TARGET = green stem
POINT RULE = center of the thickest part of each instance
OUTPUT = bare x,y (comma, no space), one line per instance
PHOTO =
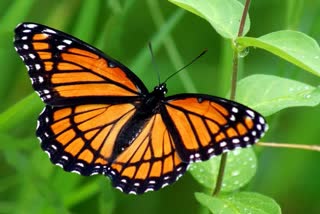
223,163
290,146
235,61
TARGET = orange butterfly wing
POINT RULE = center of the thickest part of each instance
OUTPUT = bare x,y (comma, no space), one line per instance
65,70
206,126
83,139
150,163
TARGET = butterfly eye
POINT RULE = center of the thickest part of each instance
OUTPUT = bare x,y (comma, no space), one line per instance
164,90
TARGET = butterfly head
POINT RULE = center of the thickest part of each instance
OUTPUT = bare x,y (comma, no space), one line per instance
160,90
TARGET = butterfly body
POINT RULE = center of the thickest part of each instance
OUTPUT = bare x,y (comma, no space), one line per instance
100,118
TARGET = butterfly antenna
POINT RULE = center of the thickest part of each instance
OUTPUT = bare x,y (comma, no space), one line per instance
195,59
153,62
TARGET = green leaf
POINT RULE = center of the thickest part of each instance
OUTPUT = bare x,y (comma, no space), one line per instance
242,166
223,15
237,203
268,94
236,175
295,47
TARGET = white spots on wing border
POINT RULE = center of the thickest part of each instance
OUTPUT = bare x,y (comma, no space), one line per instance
67,41
32,56
235,140
259,127
37,66
235,110
223,144
246,139
61,47
261,120
254,133
40,79
30,25
138,186
47,30
48,153
152,182
22,58
250,113
210,151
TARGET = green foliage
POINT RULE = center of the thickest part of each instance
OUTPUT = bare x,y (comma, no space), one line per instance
279,94
224,16
268,84
296,47
236,175
240,202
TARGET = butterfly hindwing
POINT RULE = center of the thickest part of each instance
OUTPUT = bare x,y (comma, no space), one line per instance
150,162
205,126
65,70
82,138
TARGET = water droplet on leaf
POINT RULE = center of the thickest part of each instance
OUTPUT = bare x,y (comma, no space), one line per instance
307,96
235,173
244,53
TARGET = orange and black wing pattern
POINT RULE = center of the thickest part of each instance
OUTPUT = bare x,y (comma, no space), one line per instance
150,162
91,123
86,139
204,126
65,70
81,138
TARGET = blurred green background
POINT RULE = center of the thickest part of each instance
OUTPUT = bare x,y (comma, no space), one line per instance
29,183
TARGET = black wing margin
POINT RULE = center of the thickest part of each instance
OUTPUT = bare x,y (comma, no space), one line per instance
65,70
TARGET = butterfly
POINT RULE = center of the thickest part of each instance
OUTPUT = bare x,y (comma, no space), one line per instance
100,118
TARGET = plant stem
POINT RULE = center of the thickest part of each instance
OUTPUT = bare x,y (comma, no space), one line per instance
243,18
235,60
223,163
290,146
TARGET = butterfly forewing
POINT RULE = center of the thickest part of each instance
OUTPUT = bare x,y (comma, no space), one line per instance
65,70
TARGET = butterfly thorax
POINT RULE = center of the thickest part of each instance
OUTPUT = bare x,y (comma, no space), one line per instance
153,100
149,106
